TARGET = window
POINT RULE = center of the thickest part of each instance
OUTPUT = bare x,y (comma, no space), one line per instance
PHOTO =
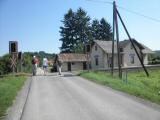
96,48
131,46
132,59
121,49
96,61
87,48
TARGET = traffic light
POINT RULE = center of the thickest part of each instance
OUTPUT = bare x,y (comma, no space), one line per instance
13,46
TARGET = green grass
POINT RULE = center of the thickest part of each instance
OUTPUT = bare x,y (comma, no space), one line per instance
9,86
138,84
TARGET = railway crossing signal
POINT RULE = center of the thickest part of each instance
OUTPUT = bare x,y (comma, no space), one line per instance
13,50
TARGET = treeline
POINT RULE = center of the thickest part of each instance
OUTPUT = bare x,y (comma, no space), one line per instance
78,29
155,58
5,62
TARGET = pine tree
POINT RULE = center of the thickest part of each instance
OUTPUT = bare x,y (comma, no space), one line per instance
95,30
105,30
101,30
75,32
67,32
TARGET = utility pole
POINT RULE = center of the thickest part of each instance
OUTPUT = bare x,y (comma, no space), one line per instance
112,63
117,15
132,42
115,27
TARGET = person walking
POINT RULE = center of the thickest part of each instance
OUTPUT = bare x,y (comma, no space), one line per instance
34,69
45,65
60,67
37,62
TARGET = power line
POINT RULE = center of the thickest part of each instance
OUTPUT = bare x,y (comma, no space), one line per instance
127,10
139,14
100,1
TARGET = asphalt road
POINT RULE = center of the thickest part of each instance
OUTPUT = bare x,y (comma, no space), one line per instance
73,98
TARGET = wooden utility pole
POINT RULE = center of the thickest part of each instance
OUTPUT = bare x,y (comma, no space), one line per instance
132,42
115,27
117,15
112,63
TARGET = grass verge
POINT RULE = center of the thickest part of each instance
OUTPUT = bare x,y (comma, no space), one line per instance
9,86
138,84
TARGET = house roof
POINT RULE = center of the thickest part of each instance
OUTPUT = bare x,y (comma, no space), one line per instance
72,57
125,42
107,45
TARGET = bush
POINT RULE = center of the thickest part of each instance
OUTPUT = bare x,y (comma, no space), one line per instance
5,64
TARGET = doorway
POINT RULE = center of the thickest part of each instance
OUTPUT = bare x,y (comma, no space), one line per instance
84,65
69,66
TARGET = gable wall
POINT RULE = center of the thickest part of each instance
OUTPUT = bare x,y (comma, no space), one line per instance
101,55
127,53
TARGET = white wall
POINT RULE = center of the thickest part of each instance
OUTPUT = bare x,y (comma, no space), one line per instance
74,67
128,51
145,59
104,58
97,53
77,66
64,66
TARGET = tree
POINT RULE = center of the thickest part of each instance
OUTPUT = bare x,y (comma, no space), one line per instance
105,30
75,31
101,30
95,30
67,32
82,29
5,64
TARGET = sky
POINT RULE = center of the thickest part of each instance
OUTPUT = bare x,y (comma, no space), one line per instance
35,24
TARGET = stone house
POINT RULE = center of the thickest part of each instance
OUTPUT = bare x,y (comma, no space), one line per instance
72,61
101,54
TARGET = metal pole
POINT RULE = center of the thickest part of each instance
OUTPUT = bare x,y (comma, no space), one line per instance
141,61
112,69
118,48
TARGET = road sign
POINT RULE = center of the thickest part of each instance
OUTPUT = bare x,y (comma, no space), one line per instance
13,62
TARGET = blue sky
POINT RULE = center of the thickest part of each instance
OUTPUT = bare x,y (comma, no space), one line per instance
35,23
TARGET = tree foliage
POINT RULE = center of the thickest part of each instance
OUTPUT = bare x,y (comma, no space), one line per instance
77,30
5,62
